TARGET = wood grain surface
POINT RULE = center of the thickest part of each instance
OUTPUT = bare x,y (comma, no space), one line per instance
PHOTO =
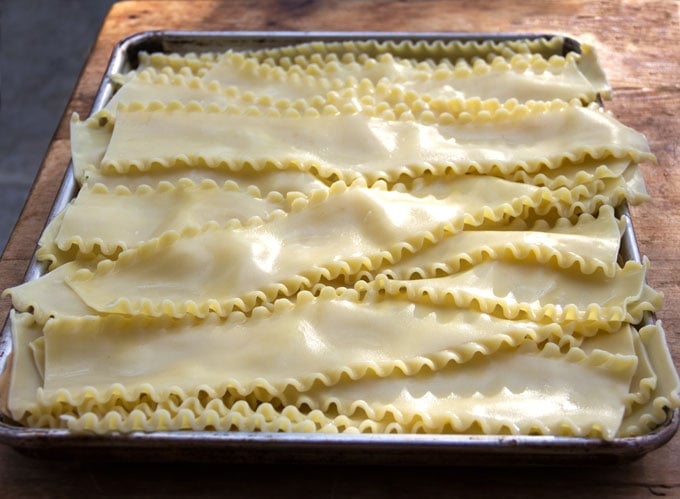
637,42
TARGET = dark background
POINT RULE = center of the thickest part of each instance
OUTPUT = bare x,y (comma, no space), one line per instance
43,46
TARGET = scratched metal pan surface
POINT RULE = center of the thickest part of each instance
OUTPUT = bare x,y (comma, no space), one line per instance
259,447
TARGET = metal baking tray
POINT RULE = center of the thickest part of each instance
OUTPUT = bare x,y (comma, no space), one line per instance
260,447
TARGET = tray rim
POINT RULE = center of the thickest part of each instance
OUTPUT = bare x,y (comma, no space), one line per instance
41,441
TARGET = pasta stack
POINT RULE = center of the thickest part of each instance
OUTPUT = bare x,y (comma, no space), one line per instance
348,237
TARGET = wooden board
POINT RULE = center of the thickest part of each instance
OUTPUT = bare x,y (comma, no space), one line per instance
637,44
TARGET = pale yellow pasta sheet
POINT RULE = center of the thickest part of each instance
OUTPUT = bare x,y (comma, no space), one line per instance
592,243
345,231
331,338
352,145
509,392
135,217
522,78
540,292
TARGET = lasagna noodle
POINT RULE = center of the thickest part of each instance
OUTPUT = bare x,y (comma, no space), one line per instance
437,50
592,243
48,252
25,377
49,296
477,393
420,49
470,394
332,338
570,175
89,141
135,217
665,394
348,230
520,78
352,145
175,207
645,379
539,292
535,75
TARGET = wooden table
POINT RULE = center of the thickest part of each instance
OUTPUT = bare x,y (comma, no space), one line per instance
637,43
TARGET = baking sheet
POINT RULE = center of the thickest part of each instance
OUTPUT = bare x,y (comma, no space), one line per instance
316,448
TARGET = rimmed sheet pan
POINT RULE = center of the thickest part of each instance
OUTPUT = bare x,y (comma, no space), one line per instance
206,446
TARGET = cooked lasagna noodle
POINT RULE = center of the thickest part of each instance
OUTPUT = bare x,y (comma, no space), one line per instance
348,237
